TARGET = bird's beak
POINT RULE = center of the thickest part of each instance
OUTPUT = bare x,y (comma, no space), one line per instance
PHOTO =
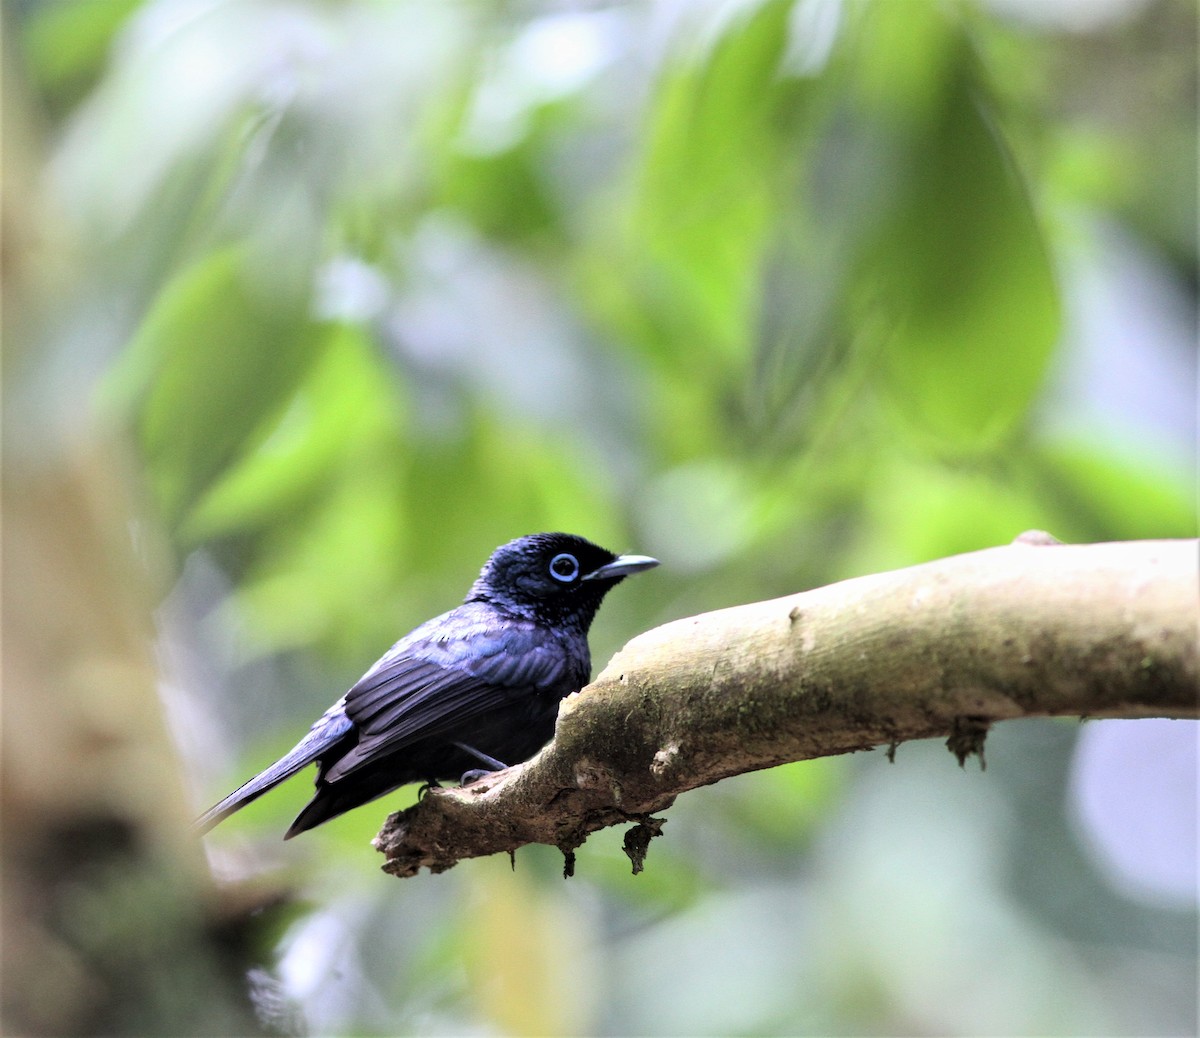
622,566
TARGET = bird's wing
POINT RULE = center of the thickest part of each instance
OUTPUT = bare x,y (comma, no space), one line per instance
440,683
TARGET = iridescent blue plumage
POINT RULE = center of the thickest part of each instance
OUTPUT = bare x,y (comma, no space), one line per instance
479,685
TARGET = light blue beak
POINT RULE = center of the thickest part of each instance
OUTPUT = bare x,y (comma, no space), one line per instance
622,566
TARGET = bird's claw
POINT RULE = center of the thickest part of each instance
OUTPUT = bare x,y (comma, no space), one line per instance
474,776
425,787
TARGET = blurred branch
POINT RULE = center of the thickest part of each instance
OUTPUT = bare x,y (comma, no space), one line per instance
941,649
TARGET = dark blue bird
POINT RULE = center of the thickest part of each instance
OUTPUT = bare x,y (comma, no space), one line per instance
473,690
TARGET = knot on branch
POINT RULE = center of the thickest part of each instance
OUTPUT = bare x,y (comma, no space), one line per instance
967,739
637,840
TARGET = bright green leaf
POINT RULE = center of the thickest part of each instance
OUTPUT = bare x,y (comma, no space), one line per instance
216,357
963,276
347,405
705,192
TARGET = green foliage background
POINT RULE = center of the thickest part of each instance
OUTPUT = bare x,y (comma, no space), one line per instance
779,292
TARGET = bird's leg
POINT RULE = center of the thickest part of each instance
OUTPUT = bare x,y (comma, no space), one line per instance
491,762
478,773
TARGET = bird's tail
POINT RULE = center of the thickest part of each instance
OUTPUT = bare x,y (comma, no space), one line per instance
336,798
333,726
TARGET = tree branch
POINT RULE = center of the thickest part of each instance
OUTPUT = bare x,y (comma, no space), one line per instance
941,649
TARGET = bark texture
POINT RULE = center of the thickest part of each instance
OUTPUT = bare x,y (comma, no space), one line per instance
941,649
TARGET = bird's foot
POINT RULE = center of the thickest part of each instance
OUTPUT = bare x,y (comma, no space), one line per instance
425,787
474,776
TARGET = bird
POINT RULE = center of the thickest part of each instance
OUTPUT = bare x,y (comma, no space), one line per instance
470,692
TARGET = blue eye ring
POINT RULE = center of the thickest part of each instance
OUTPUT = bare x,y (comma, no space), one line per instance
564,567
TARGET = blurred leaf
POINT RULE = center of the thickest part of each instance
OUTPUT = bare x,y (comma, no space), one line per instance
347,403
328,574
901,54
503,193
918,510
527,954
67,43
216,356
963,274
672,881
395,532
704,194
1107,494
781,807
528,480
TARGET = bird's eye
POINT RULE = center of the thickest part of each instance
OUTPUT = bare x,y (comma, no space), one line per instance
564,567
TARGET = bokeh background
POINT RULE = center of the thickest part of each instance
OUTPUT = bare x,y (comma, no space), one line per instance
309,305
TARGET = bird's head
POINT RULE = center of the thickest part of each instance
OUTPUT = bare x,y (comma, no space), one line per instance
557,577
